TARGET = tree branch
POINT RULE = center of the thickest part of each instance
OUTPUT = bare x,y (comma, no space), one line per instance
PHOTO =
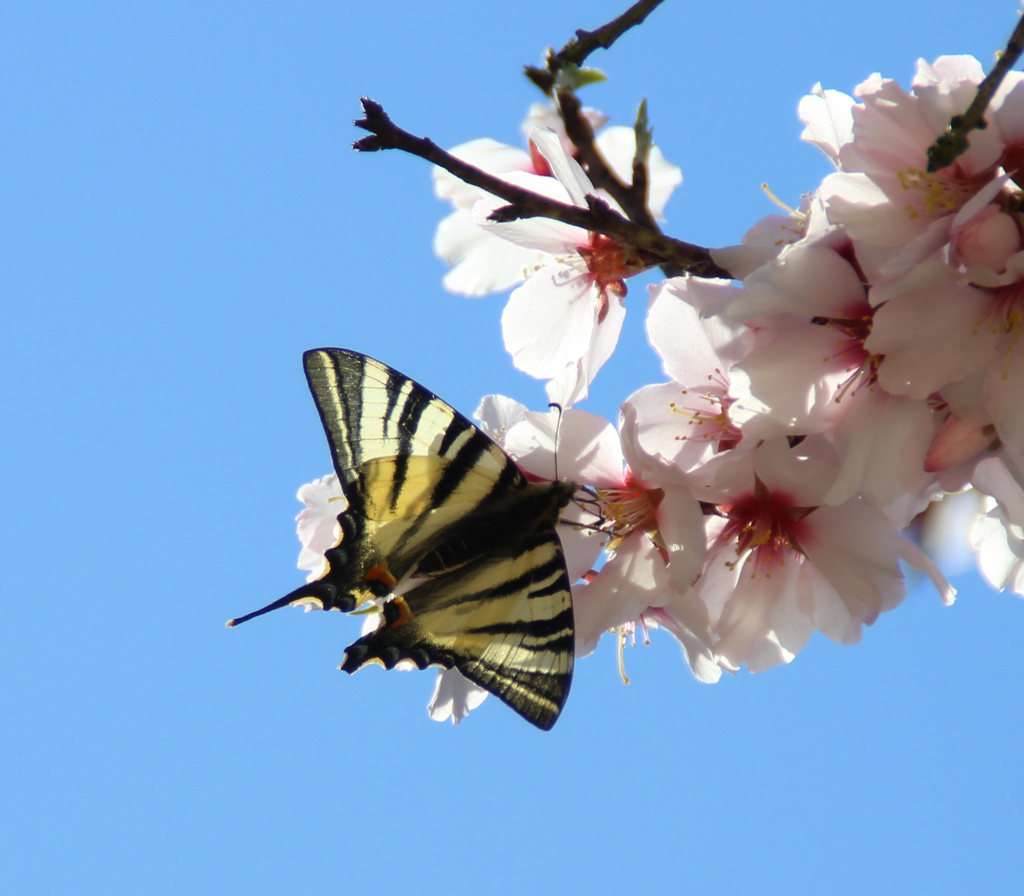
953,143
579,131
598,217
584,43
632,198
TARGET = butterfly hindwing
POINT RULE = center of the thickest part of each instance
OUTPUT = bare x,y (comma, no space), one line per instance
504,620
437,511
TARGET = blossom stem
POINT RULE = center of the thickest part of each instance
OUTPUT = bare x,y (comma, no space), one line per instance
944,151
597,217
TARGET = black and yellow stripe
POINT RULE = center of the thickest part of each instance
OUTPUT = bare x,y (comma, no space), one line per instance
440,513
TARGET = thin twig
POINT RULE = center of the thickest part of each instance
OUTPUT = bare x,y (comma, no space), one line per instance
598,217
953,143
643,135
632,198
585,42
579,131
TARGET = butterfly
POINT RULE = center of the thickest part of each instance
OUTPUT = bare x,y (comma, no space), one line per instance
443,532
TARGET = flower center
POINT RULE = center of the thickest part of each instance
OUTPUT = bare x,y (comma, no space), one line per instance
628,508
610,263
766,523
853,333
708,413
941,193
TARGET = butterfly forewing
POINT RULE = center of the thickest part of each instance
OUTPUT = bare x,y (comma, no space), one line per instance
440,514
370,411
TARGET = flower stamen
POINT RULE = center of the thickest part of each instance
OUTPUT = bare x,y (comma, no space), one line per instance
944,192
623,632
712,419
628,508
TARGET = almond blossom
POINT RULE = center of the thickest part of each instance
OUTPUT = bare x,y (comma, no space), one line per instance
655,527
564,322
884,194
689,419
811,369
481,261
782,563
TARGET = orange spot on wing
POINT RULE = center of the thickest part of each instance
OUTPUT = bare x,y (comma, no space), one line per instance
380,573
397,612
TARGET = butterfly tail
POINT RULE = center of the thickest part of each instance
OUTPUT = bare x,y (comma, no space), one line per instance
320,594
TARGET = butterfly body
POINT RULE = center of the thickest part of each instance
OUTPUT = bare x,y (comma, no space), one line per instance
443,523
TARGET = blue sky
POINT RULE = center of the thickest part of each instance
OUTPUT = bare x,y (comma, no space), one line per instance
180,217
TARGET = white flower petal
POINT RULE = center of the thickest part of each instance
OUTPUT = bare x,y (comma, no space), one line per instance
882,442
481,261
675,424
484,153
1003,391
618,146
634,578
764,622
994,478
924,350
829,120
681,524
550,320
999,550
588,447
565,168
498,414
691,345
543,234
856,549
813,280
318,528
686,617
454,697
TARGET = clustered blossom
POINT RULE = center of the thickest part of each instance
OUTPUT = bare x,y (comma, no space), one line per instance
870,363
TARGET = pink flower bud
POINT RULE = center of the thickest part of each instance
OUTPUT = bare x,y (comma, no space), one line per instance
989,238
956,442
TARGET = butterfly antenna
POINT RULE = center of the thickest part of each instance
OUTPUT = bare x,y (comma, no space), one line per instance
558,429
